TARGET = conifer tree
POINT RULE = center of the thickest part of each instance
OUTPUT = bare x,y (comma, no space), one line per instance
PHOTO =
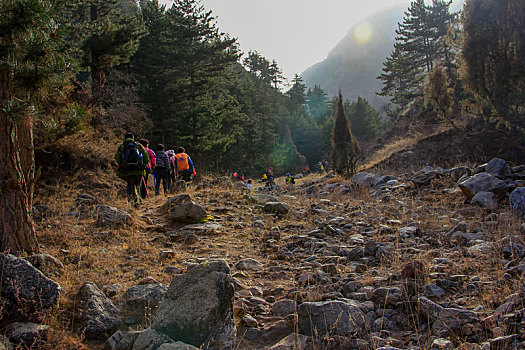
29,41
493,54
346,151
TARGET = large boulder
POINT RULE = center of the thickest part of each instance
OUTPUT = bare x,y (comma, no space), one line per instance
483,182
456,322
99,316
486,200
517,200
259,198
27,291
150,339
108,216
198,307
27,335
498,167
329,317
145,295
364,179
277,208
183,208
48,264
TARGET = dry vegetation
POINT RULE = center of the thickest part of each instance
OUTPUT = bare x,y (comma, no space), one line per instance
114,255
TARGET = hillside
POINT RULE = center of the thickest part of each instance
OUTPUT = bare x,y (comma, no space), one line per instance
353,65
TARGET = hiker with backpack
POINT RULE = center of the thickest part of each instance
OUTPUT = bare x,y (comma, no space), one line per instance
149,168
162,170
185,167
173,171
132,158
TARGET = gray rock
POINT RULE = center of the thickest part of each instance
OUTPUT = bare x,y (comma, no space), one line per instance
486,200
27,291
482,182
259,198
100,317
276,208
517,200
187,211
442,344
283,307
428,308
434,291
458,172
27,335
423,179
143,295
364,179
248,264
480,249
383,180
150,339
450,322
177,346
84,201
387,296
182,208
498,167
121,341
108,216
204,228
293,341
198,306
329,317
48,264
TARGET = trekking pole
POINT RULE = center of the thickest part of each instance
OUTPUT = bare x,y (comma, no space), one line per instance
146,188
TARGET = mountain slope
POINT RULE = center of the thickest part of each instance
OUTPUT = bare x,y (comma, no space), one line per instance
354,63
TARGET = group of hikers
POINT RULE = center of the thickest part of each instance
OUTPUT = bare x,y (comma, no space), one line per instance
136,161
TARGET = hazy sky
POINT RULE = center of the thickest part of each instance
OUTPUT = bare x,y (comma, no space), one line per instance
296,33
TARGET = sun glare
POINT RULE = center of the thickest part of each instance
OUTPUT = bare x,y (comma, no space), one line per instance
363,32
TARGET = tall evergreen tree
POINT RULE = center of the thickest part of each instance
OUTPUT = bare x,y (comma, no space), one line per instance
110,33
365,121
30,33
493,57
420,42
317,103
346,151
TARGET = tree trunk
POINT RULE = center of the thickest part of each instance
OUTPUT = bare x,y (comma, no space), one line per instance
17,233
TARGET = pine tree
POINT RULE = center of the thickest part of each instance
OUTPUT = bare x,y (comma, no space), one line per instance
364,119
346,151
30,36
317,103
493,54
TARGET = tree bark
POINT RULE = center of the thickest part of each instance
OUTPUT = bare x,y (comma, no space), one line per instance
17,233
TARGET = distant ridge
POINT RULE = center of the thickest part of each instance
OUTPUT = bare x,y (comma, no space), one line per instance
353,67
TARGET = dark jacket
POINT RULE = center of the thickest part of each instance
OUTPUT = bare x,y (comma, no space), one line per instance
118,158
162,160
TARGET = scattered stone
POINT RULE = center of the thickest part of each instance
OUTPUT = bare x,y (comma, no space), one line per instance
121,341
452,322
442,344
414,269
150,339
26,290
498,167
283,307
385,296
423,179
177,346
207,319
364,179
482,182
293,341
112,289
27,335
517,200
486,200
182,208
249,321
145,295
99,316
109,216
248,265
329,317
259,198
48,264
277,208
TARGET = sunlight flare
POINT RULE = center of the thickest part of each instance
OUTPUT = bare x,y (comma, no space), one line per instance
363,32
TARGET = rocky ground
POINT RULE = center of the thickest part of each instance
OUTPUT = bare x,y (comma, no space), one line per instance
427,260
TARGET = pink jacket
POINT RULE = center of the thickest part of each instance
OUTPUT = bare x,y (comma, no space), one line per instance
152,159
